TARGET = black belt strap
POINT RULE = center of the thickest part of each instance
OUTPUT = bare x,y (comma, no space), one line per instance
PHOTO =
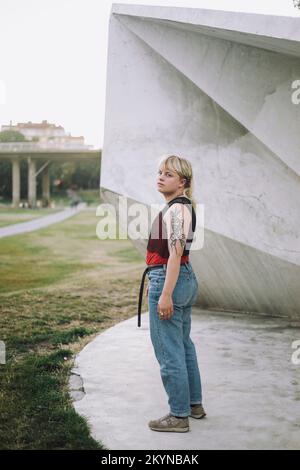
149,267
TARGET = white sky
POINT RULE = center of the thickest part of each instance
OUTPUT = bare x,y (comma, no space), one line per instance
53,58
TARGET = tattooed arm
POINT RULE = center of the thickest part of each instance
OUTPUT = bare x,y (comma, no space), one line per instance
177,219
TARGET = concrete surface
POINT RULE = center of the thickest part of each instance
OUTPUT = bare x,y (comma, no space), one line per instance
251,387
216,88
40,222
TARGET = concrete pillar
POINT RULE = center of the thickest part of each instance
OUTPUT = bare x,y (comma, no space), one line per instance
16,190
46,186
31,182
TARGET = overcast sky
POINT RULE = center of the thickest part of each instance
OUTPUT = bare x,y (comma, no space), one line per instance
53,58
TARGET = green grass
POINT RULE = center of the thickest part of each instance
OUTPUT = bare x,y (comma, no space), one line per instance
126,255
40,414
39,266
60,287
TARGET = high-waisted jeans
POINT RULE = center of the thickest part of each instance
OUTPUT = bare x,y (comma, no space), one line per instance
173,347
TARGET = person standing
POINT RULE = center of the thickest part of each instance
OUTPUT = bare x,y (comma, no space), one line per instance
173,289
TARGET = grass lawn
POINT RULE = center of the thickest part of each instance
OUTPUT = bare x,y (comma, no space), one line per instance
60,286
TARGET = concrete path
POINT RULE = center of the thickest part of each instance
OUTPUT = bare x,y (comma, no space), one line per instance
251,388
40,222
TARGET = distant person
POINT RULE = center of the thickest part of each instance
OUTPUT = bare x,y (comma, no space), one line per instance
72,194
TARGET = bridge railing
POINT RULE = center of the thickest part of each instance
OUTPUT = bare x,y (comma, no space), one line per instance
35,146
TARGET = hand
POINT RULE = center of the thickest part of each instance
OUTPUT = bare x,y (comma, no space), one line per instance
165,306
147,290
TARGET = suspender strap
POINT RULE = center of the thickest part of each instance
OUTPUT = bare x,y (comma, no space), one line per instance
142,289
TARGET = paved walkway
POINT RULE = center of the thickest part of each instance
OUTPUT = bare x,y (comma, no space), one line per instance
40,222
251,388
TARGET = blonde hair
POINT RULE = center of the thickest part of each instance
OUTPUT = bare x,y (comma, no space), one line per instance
184,169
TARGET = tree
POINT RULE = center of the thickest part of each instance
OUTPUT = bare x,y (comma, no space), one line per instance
11,136
297,3
84,175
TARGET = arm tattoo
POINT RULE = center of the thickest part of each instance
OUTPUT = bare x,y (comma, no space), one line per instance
177,232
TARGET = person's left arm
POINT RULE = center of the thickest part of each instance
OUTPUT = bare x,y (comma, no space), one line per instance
177,219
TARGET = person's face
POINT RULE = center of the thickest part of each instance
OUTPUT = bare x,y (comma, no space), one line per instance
168,181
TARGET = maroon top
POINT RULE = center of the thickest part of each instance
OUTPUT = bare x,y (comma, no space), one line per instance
157,247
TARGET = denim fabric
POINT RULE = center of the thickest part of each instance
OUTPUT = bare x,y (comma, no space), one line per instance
173,347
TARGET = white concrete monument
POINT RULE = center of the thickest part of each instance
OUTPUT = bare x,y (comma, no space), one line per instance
223,90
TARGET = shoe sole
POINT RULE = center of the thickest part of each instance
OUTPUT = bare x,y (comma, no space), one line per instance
198,416
170,429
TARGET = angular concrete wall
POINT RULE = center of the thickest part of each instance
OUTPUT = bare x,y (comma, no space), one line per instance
215,87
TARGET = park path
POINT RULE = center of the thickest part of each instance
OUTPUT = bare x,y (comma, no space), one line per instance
40,222
250,385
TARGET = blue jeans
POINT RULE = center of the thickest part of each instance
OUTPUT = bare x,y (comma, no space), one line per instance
173,347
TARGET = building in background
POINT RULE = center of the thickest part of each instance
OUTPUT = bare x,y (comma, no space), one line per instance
46,134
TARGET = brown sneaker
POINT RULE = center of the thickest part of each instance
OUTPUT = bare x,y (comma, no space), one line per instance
170,423
197,412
